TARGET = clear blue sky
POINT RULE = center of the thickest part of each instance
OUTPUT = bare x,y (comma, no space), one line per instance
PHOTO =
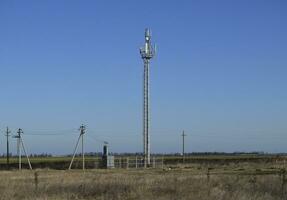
220,74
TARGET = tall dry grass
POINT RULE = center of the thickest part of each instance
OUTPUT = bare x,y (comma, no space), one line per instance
139,184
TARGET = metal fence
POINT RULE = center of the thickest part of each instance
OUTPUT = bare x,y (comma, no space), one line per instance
137,162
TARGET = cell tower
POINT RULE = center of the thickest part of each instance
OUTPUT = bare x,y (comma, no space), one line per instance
147,52
183,145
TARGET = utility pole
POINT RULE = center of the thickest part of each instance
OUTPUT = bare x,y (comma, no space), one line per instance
82,132
147,52
82,129
19,144
19,147
183,143
8,153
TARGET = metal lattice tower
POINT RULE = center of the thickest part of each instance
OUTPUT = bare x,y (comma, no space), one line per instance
147,52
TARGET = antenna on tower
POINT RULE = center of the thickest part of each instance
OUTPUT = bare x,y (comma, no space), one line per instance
147,52
82,130
19,144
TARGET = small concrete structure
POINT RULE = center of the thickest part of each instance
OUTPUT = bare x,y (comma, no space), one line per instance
108,161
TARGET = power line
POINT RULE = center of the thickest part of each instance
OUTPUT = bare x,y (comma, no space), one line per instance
45,134
96,139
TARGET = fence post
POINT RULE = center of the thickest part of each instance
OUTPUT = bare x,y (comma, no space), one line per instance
136,162
162,162
153,163
127,162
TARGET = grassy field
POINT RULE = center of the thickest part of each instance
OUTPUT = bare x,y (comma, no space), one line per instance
208,161
199,178
175,184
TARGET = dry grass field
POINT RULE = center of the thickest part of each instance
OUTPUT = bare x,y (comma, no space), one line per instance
159,184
